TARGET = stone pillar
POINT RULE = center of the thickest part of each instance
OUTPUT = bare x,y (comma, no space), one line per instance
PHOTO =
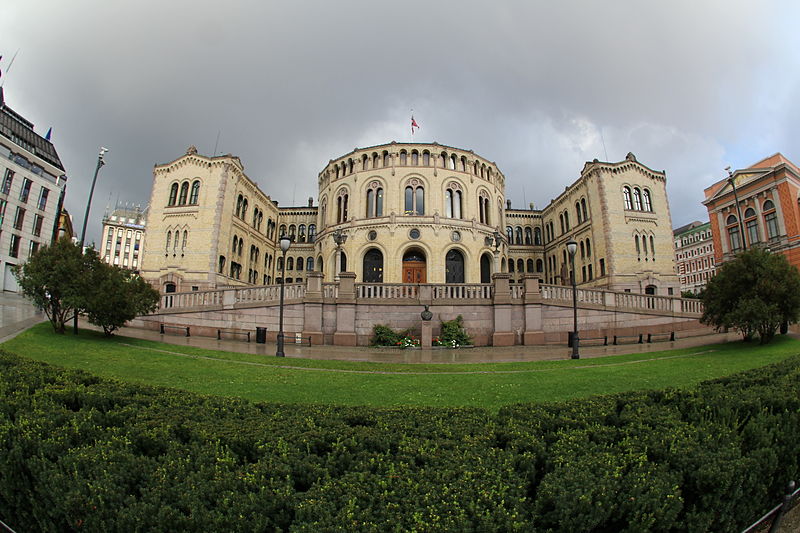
228,298
312,309
534,332
345,334
426,338
503,334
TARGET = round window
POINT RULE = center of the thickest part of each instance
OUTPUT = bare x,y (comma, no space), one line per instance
414,233
456,236
372,235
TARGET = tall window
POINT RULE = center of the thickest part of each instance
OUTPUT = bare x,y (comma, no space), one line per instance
341,206
528,235
7,180
37,224
403,158
193,197
751,225
375,200
373,266
771,220
239,202
301,233
452,201
646,200
414,198
19,217
626,195
510,234
578,212
733,233
26,190
312,232
43,194
537,236
518,235
184,193
483,205
637,199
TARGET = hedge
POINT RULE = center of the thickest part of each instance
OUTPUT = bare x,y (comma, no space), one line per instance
80,453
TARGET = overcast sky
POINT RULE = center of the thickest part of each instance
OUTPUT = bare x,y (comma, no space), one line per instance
538,87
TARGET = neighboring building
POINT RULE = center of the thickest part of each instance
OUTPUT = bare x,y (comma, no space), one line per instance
65,227
31,192
412,213
768,194
694,255
123,236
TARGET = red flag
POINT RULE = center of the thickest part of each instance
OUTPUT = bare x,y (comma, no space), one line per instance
413,124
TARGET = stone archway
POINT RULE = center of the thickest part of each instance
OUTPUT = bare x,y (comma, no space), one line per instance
415,268
454,266
373,266
486,268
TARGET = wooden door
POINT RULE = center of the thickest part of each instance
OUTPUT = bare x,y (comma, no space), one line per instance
414,272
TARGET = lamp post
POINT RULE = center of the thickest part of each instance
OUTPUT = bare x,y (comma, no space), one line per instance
572,247
738,209
495,239
339,237
285,242
100,163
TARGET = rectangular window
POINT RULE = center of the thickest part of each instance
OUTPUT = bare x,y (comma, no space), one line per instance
771,220
26,190
19,217
752,231
37,224
735,238
602,267
3,204
13,249
7,180
32,248
43,194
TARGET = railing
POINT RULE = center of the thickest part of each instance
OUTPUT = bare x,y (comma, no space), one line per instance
330,290
642,301
691,305
192,299
622,300
462,291
517,291
775,515
387,291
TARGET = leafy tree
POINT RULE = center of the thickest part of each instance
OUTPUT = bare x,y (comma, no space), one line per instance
55,279
118,296
754,293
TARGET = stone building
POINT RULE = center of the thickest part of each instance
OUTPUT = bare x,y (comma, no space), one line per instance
694,255
32,185
767,212
123,236
407,213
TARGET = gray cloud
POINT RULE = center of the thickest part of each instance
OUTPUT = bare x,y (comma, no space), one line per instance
538,87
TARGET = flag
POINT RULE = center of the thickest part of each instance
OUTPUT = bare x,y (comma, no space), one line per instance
49,132
413,124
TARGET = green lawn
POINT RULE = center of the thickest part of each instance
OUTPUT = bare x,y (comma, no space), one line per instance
260,378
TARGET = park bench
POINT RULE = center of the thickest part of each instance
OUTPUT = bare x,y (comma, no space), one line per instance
229,331
164,327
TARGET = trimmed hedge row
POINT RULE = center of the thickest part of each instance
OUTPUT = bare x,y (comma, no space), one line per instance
80,453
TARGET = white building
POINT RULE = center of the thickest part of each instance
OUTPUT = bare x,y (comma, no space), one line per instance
123,236
32,185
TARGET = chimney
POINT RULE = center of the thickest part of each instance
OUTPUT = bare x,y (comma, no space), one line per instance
508,204
310,201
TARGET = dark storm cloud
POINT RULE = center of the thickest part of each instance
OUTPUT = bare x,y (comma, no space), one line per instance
539,88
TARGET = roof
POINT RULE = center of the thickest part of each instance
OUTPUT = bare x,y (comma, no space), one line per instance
751,173
689,226
19,130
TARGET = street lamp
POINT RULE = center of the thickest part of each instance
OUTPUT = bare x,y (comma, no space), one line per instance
738,209
339,237
572,247
100,163
495,239
285,242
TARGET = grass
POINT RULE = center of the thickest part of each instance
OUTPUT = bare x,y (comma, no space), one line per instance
260,378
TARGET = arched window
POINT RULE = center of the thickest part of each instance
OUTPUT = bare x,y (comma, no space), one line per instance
233,248
452,201
426,158
173,194
290,263
292,231
588,248
751,225
373,266
195,195
454,267
301,233
637,199
539,265
300,263
282,230
511,266
770,219
403,158
626,195
169,238
510,234
638,249
520,266
241,245
463,164
486,268
414,158
518,235
561,221
221,264
279,264
349,166
443,160
583,250
310,264
375,159
319,264
184,193
414,198
528,236
529,264
537,236
385,158
734,234
652,248
244,209
239,201
341,206
185,242
583,209
364,162
646,200
566,219
312,232
375,200
578,212
483,205
255,216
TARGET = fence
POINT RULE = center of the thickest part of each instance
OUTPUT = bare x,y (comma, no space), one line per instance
775,515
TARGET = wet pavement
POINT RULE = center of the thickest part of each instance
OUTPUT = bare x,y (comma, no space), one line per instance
17,315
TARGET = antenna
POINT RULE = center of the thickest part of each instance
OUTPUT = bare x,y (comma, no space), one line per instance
604,143
10,63
216,144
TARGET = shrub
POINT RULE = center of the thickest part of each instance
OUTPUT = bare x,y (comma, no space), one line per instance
453,334
383,335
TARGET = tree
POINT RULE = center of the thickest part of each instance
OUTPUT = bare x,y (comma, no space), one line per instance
754,293
55,279
118,296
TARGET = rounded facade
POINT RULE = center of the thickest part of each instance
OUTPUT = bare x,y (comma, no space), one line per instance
411,213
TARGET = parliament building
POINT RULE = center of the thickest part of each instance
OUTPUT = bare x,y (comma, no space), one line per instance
407,213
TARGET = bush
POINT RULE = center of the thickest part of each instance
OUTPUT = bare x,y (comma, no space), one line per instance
453,334
383,335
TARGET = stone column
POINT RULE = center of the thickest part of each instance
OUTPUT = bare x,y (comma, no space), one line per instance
503,334
426,339
312,309
345,334
534,333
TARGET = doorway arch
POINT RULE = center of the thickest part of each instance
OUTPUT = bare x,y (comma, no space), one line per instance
373,266
454,266
486,268
414,266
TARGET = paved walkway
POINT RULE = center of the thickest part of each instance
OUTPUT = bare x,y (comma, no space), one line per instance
17,315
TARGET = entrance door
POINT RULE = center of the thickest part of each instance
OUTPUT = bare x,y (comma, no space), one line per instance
414,272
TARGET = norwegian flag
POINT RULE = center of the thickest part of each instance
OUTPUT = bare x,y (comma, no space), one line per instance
413,124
